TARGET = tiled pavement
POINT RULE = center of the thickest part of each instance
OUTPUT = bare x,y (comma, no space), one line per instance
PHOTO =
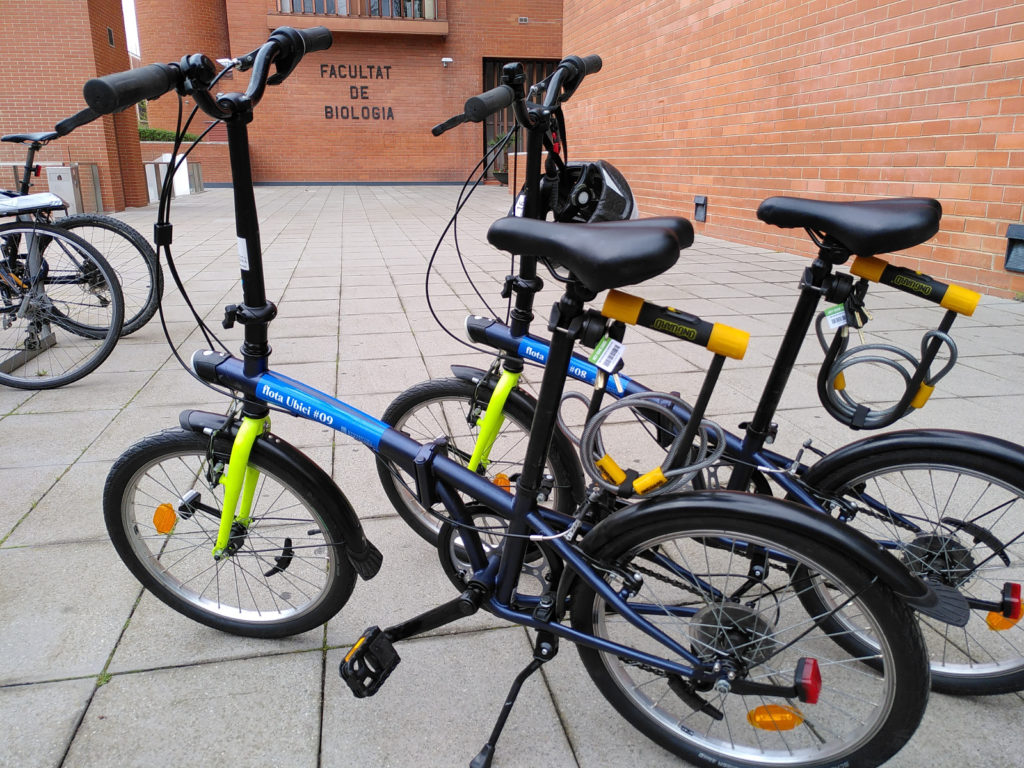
94,672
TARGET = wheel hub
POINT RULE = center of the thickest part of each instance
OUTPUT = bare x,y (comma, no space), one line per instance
943,557
732,630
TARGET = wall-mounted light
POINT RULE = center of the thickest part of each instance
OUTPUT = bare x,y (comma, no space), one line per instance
700,208
446,61
1015,248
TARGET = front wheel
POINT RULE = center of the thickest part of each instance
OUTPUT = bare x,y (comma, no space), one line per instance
730,593
450,408
287,572
61,306
952,516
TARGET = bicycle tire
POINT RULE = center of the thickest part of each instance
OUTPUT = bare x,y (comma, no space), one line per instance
440,407
62,333
293,580
862,717
131,256
926,486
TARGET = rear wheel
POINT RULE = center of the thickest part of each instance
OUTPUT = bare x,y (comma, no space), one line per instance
730,593
132,258
953,517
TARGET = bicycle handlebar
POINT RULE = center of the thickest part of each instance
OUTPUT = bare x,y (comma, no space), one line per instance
479,107
285,48
570,73
121,90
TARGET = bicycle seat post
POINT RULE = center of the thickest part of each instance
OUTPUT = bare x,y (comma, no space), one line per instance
26,178
813,286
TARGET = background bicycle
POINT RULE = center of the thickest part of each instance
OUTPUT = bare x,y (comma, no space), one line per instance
951,503
61,308
124,248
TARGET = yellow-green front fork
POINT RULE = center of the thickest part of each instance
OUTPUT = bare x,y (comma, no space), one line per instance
239,482
493,418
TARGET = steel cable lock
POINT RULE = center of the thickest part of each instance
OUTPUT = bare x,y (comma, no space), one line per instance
919,379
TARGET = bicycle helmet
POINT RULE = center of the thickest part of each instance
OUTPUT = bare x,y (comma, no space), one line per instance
588,192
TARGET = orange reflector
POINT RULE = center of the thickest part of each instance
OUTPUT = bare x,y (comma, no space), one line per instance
355,647
774,717
164,518
502,481
999,623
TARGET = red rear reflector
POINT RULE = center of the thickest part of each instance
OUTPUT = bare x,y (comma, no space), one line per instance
807,680
1012,611
1011,601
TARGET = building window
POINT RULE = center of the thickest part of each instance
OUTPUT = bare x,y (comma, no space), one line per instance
380,9
498,124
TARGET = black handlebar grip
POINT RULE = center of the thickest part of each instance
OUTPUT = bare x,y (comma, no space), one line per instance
591,64
111,93
479,107
316,38
68,124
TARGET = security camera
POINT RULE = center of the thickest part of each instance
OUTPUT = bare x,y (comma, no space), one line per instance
446,61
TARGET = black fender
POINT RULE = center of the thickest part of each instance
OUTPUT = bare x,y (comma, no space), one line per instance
364,556
991,448
777,514
560,442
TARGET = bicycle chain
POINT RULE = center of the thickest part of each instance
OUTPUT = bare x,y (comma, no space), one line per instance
680,584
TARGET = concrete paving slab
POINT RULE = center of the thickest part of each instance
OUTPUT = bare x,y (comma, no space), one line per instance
41,439
40,721
204,715
62,608
22,490
67,511
439,706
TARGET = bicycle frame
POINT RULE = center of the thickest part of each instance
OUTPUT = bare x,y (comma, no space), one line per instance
741,452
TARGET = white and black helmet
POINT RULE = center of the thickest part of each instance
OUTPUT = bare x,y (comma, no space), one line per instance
588,192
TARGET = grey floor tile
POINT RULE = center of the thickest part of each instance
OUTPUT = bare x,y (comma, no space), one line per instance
69,511
439,705
62,608
40,720
192,716
23,488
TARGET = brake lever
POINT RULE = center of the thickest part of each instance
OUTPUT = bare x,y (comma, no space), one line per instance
242,63
448,124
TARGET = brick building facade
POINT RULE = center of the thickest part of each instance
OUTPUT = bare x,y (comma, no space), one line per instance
51,48
734,100
737,100
361,111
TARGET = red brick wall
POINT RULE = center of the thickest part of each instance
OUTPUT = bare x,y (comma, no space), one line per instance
51,48
829,98
291,138
170,29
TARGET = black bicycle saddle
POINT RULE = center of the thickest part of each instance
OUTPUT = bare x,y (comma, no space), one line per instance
864,227
601,256
28,138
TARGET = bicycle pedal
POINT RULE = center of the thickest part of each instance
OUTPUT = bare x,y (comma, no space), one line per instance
367,665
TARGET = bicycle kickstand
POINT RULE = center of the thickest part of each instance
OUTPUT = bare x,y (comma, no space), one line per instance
543,650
